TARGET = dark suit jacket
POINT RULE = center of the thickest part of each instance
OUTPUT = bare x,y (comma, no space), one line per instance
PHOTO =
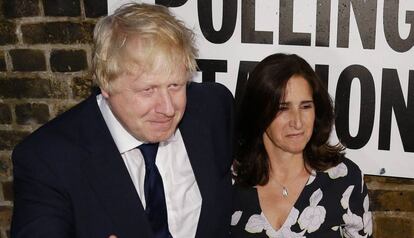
70,180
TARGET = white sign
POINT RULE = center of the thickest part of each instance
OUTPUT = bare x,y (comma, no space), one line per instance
363,50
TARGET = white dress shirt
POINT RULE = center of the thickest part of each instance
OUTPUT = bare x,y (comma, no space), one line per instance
182,195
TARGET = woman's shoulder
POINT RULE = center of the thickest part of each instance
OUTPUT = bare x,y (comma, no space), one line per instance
345,163
246,200
346,170
244,194
351,166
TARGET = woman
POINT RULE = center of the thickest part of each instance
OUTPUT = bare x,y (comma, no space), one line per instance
289,181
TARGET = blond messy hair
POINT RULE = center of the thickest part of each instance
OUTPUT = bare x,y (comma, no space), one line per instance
160,34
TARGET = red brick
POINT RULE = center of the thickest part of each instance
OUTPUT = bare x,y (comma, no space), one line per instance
388,180
5,114
3,66
28,60
390,227
95,8
32,88
7,32
81,87
8,190
32,113
21,8
5,216
5,165
68,60
69,8
390,200
9,139
57,32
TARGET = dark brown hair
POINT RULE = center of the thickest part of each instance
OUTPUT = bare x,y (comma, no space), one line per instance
258,108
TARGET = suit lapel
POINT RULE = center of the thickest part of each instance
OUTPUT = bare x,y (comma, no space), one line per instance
195,135
109,177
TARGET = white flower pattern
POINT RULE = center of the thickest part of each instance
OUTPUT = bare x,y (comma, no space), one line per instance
292,218
285,231
345,196
235,218
367,217
352,221
313,216
256,224
312,177
338,171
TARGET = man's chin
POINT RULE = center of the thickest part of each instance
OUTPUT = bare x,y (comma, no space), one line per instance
160,136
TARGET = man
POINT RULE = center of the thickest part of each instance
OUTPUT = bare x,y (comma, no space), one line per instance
85,173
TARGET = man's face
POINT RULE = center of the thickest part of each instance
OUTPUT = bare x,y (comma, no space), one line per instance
149,104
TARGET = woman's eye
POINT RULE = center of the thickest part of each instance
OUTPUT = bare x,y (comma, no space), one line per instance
307,106
283,108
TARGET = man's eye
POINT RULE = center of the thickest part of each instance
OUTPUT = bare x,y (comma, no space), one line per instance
175,86
147,91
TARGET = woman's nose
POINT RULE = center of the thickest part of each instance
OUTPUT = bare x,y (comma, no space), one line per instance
295,119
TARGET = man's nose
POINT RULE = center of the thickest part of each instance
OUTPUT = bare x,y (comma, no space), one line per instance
165,103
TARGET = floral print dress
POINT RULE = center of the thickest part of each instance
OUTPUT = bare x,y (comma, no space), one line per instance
333,203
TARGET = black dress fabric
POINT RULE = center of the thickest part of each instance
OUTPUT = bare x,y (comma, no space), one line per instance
333,203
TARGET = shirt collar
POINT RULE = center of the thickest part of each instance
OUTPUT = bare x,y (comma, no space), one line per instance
123,139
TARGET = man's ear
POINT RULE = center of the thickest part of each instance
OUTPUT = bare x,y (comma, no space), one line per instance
104,93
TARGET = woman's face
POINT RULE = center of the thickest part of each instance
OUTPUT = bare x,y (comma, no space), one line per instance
292,127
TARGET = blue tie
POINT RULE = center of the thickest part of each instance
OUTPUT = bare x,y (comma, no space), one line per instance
156,208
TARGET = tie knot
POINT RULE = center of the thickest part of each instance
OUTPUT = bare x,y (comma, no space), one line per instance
149,152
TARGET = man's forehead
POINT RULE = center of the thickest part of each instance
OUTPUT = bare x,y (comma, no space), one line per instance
159,75
155,60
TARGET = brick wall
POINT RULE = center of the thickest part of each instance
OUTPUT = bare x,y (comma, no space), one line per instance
45,55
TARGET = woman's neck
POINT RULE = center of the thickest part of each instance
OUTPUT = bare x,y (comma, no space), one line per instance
286,166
